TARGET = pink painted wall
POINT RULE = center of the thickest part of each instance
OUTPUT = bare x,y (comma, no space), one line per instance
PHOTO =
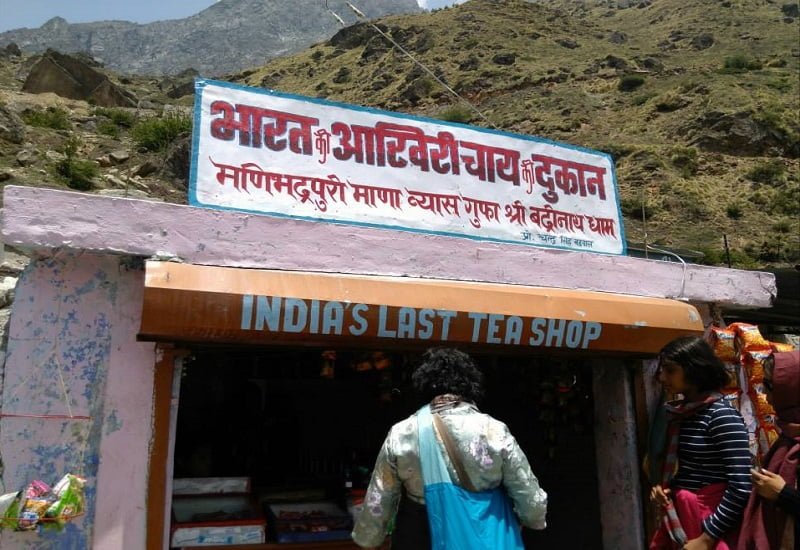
75,318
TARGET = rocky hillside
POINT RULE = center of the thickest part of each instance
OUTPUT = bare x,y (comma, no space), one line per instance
231,34
697,101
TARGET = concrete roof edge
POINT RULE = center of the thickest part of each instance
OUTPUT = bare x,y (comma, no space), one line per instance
38,218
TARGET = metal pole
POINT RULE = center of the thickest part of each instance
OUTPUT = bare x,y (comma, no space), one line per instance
727,251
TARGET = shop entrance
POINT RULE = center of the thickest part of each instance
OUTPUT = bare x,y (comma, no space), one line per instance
305,425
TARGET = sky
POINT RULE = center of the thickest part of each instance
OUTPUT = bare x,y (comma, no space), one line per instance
15,14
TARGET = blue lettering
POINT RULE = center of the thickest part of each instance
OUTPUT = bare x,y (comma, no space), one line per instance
426,322
295,315
574,333
446,316
555,334
269,312
383,332
406,322
538,334
494,328
247,311
592,332
358,309
332,318
313,327
513,330
477,319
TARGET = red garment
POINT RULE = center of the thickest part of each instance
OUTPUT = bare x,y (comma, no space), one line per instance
692,509
764,523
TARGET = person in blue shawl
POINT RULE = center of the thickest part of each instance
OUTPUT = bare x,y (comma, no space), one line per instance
451,476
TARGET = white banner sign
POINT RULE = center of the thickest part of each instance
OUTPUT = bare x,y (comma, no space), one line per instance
261,151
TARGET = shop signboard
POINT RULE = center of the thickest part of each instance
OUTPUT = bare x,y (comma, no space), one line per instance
261,151
206,303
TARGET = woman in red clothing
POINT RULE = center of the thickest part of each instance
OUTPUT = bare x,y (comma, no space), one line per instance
771,518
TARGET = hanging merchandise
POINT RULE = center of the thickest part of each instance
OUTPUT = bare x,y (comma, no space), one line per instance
39,506
744,351
563,401
328,369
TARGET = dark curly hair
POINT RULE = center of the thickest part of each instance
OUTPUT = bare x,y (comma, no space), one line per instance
701,367
448,370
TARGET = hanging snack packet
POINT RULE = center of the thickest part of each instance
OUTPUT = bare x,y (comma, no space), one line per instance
761,406
69,499
722,342
9,510
38,497
754,364
778,347
748,337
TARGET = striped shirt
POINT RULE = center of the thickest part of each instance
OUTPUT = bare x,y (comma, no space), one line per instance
714,448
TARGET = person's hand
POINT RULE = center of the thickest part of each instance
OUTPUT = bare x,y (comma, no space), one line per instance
660,496
703,542
767,484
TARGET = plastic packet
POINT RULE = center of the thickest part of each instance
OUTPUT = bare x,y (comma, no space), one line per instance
37,498
723,343
748,337
9,510
69,499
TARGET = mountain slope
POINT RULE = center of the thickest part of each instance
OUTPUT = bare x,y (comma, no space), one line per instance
231,34
702,150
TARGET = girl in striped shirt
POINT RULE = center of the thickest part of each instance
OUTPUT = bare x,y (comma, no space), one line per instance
706,468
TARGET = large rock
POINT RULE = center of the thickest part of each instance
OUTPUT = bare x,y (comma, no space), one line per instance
70,77
11,126
740,134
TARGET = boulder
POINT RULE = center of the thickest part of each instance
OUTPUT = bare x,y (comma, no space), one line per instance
11,50
739,134
12,128
118,157
505,58
618,37
145,169
568,43
791,10
703,41
70,77
25,157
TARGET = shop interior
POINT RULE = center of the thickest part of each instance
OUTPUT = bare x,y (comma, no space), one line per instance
305,425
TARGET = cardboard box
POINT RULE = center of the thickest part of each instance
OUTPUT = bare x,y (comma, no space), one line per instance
216,520
309,522
210,485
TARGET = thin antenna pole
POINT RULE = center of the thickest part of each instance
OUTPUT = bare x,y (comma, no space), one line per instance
644,220
360,15
727,250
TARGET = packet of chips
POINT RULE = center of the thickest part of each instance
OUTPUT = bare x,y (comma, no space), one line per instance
38,497
723,343
9,510
69,500
777,347
753,362
748,337
766,435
